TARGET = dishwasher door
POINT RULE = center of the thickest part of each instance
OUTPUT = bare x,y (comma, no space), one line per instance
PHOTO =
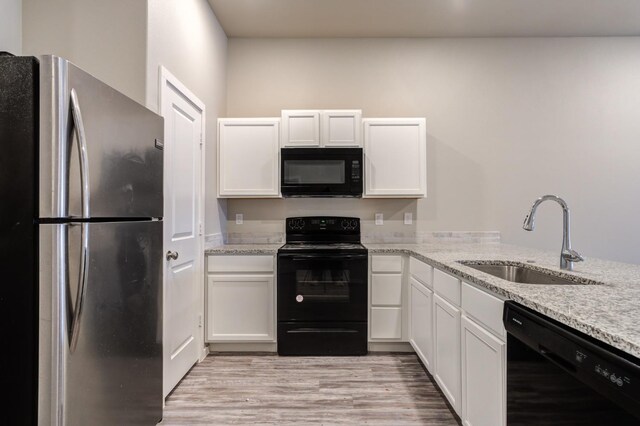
559,376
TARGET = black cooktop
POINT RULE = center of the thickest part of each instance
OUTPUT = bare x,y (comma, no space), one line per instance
345,248
325,234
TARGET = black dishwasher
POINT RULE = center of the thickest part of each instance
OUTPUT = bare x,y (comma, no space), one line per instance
557,375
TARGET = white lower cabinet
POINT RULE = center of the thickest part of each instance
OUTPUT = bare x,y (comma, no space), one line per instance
483,376
421,322
388,320
447,350
240,308
240,298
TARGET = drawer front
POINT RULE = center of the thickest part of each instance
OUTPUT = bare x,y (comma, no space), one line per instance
386,289
484,307
240,263
386,264
386,323
447,286
421,271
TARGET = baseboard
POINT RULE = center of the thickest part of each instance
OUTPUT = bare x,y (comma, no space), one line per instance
243,347
270,347
390,347
204,353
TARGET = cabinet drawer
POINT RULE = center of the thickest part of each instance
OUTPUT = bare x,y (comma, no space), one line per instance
386,323
447,286
421,271
386,289
240,263
386,263
484,307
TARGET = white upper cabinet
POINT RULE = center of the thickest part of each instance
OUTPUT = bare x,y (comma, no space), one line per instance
395,151
248,158
300,128
341,128
321,128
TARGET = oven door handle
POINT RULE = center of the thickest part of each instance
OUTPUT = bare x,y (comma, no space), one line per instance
299,257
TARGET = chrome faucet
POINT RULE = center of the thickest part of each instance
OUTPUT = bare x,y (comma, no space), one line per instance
567,255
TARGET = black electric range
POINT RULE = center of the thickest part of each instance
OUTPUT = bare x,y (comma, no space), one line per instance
322,288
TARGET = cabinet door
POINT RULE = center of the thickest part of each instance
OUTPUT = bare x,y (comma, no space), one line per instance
248,158
341,128
395,152
447,350
240,308
421,322
483,377
386,323
300,128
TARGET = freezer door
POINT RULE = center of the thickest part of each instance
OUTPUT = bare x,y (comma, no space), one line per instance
100,151
106,310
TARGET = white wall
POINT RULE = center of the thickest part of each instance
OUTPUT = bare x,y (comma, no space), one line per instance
508,120
11,26
105,38
186,38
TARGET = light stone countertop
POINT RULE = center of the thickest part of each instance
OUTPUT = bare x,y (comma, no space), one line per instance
267,249
606,307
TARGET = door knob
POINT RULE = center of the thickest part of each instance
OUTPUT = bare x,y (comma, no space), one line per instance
172,255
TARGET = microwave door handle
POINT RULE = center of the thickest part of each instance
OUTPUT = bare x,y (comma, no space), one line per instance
81,139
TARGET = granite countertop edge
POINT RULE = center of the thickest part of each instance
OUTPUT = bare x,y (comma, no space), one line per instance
265,249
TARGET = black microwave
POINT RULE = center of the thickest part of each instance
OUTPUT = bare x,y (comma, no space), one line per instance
321,172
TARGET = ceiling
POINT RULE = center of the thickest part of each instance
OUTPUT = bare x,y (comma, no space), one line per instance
428,18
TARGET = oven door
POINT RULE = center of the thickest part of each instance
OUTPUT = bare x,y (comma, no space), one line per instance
322,287
321,172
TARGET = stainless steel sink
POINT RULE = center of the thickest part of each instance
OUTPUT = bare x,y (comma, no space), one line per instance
519,274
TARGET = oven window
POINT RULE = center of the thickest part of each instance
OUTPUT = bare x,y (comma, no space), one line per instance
314,172
323,285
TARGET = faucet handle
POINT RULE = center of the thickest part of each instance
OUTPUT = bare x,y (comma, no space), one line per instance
572,255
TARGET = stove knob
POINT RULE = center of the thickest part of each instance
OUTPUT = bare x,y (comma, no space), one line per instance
292,224
354,224
345,224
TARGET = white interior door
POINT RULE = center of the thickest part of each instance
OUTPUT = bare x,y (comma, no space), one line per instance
183,273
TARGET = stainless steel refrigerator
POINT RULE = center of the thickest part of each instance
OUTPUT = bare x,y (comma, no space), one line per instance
81,169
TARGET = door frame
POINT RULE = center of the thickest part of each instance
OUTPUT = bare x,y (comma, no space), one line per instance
167,78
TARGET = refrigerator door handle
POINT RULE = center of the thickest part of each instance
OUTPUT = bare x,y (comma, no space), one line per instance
82,286
78,125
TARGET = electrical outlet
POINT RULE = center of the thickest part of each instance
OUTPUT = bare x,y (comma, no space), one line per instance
239,218
379,219
408,218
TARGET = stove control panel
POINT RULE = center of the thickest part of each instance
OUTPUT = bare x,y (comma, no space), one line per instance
296,224
349,224
318,224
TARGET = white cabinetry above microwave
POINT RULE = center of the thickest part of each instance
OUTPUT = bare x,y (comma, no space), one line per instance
321,128
395,151
248,158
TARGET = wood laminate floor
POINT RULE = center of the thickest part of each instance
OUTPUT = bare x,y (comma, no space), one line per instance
389,389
